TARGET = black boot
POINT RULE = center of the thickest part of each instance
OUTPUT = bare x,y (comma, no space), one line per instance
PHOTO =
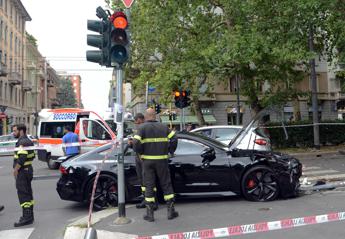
26,219
171,210
149,212
155,205
1,208
141,204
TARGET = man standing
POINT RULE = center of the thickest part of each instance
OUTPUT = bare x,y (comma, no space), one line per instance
23,173
68,138
153,142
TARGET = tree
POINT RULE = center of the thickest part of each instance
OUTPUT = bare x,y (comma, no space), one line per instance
194,43
66,95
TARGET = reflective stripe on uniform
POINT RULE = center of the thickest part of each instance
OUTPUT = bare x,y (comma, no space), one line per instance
168,197
172,133
27,204
22,152
154,156
154,140
137,137
143,189
150,199
28,163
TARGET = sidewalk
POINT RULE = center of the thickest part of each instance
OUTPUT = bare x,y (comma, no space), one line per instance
211,213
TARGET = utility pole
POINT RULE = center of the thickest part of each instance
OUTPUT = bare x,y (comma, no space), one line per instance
313,80
238,107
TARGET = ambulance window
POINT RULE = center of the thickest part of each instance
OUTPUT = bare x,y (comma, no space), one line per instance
54,129
94,130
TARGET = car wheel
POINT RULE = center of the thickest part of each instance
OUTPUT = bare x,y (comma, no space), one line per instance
260,184
106,194
52,164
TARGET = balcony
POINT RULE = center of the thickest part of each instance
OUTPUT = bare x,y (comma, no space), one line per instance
31,65
27,86
15,78
3,69
50,83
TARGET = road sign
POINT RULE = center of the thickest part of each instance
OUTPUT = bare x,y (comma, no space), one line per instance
128,3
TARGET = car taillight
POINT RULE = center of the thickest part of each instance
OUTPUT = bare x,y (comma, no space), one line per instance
260,141
63,170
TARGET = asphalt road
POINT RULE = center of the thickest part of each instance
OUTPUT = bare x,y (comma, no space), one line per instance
52,214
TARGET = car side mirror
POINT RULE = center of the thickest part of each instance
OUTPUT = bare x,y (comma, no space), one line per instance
208,155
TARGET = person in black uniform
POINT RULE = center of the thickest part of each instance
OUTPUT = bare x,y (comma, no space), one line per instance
23,173
154,142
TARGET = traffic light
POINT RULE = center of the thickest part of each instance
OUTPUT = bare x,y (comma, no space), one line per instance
181,98
101,40
158,108
119,38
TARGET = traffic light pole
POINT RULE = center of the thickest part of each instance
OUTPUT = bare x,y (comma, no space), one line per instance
119,110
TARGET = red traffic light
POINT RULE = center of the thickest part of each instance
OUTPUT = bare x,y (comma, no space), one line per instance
119,20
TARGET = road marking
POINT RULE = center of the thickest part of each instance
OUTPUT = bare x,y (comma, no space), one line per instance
16,233
309,173
310,168
45,177
325,177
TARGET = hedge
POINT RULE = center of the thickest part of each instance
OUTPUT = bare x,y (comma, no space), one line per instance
303,136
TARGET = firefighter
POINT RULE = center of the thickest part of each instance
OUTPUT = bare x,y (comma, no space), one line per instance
23,173
139,119
154,142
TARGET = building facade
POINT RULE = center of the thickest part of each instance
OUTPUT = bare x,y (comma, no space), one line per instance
220,106
76,83
13,17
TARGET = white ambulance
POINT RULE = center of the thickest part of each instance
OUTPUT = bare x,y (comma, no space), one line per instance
89,126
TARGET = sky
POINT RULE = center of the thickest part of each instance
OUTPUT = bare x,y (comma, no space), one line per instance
60,27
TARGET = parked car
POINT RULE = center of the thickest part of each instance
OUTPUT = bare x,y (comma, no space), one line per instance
256,139
200,166
222,133
10,141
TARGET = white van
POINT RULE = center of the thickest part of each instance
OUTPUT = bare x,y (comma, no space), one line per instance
87,124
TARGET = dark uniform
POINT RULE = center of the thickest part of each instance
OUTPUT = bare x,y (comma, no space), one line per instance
23,181
153,142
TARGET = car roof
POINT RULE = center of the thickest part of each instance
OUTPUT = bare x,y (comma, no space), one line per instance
218,127
202,138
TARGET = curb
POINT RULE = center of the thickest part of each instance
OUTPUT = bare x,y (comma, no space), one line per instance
314,154
79,233
77,229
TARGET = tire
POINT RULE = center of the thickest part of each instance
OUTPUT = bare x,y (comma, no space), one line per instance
260,184
52,164
106,194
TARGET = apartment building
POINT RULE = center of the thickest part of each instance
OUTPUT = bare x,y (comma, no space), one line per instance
13,17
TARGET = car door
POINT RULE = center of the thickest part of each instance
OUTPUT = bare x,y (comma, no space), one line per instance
92,131
197,167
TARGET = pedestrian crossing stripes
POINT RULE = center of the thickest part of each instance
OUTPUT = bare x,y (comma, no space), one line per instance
314,173
16,233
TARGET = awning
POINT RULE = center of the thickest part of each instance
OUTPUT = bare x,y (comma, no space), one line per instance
188,119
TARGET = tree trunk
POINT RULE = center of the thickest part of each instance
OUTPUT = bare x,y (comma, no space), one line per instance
198,112
256,105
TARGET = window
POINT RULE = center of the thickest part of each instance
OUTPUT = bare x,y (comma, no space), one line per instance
15,44
225,134
6,30
1,28
94,130
1,85
11,40
5,60
5,91
54,129
0,55
232,119
205,132
1,3
189,147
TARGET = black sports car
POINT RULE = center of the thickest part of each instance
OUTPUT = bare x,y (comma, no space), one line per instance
200,166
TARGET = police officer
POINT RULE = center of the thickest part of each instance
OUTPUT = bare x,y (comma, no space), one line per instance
23,173
153,142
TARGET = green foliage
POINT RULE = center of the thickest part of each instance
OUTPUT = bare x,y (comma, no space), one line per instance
303,136
66,95
192,43
31,39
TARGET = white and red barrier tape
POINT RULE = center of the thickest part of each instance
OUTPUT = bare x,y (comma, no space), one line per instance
50,146
252,228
